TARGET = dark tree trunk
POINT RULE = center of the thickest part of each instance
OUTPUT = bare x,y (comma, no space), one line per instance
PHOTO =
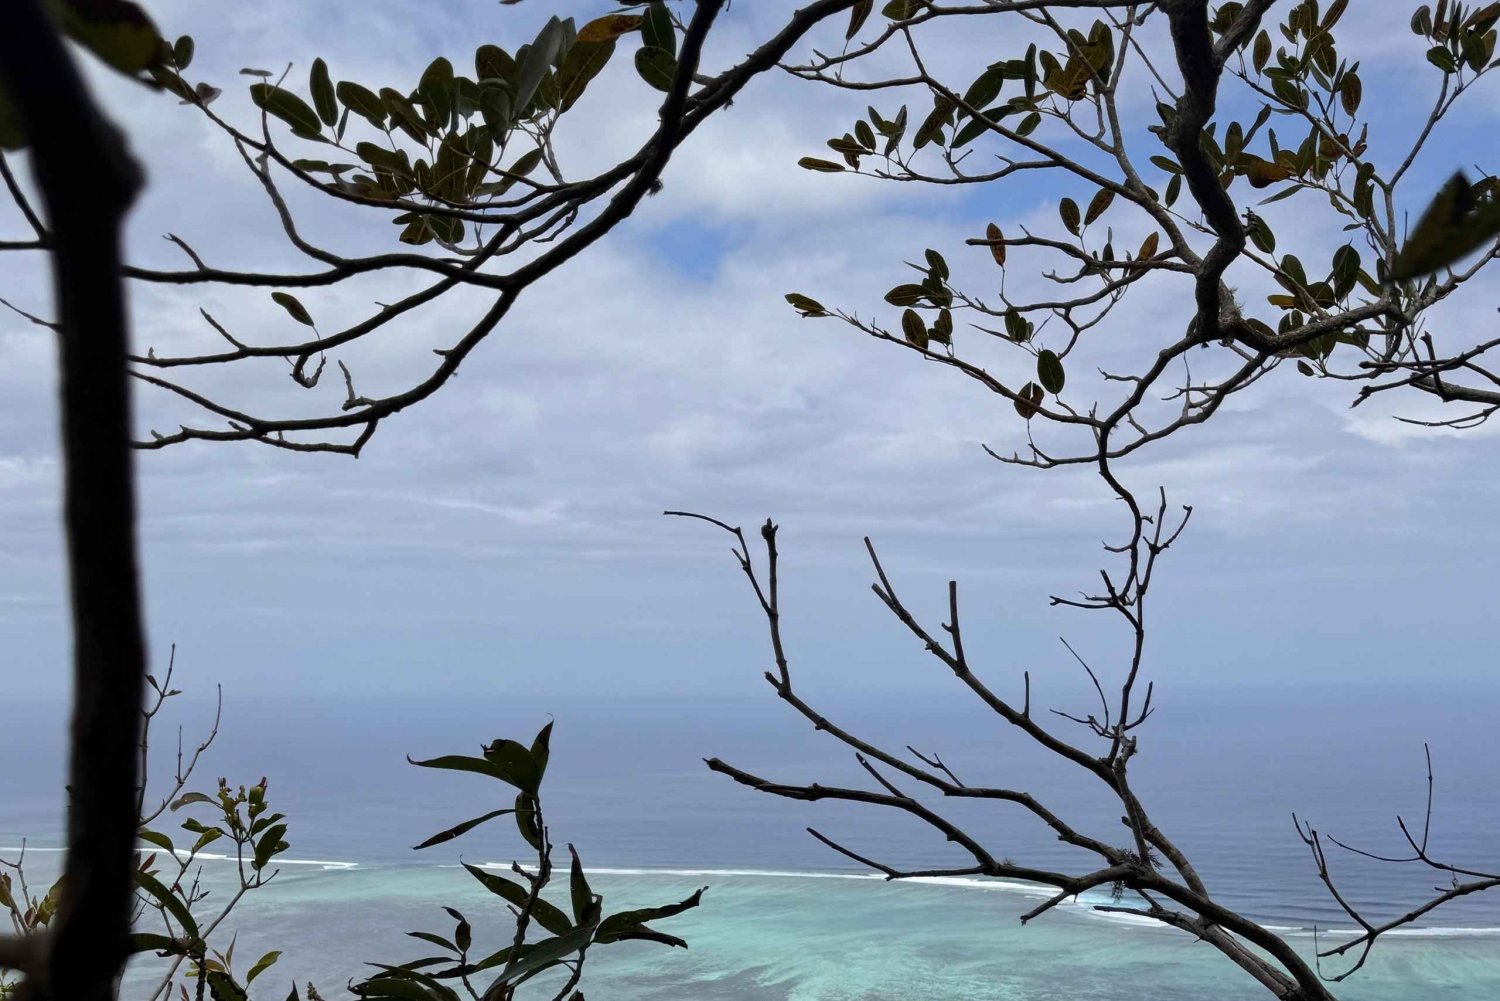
87,182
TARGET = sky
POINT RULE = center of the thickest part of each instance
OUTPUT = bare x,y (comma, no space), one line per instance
506,536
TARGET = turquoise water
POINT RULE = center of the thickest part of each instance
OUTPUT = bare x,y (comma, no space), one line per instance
786,919
817,938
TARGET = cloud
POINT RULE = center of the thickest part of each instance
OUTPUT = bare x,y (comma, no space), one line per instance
521,505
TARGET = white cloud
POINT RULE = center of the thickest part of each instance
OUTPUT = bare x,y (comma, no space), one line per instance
634,381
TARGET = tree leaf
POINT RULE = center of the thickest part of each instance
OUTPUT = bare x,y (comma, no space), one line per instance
458,830
362,102
1029,400
173,903
436,90
657,67
294,306
159,840
656,29
914,329
906,295
997,249
1049,371
807,307
1454,224
609,27
117,31
548,915
582,896
514,764
858,14
1068,209
611,927
288,107
152,942
538,61
320,86
822,166
261,965
182,52
1098,205
584,61
540,956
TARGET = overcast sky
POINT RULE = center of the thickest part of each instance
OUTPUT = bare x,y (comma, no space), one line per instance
506,535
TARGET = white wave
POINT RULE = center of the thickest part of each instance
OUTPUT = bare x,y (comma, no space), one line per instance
327,865
1426,931
769,873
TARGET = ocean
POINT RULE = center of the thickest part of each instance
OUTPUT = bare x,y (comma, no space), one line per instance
1222,770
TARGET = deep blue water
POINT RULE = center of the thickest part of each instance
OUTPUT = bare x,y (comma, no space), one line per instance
1222,772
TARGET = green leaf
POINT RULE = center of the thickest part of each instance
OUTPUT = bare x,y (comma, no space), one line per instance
116,31
656,29
986,87
463,932
493,63
362,102
584,61
460,763
192,797
937,265
914,329
540,956
207,838
582,897
437,940
858,14
514,764
538,60
656,66
288,107
321,87
942,328
173,903
294,306
807,307
1454,224
152,942
611,927
159,840
541,750
548,915
1029,400
1098,205
526,820
394,987
261,965
822,166
906,295
436,90
223,988
1049,371
1259,233
1068,209
460,829
268,846
404,114
901,10
182,52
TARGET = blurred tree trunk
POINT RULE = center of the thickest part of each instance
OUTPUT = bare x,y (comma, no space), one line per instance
87,182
